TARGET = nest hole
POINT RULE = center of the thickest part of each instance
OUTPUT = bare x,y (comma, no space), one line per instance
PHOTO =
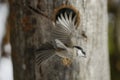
68,10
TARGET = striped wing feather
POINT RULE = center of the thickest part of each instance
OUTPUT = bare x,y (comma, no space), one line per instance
44,52
64,28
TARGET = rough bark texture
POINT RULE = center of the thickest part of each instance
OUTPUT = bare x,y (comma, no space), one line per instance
30,30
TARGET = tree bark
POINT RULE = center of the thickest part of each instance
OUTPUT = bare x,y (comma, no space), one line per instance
30,30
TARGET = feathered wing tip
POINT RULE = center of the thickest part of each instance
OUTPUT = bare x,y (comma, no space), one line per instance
44,52
68,21
65,28
44,55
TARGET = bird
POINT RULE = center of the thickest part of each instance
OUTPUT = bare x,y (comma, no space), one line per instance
63,34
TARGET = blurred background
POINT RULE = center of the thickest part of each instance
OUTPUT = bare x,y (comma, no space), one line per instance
113,37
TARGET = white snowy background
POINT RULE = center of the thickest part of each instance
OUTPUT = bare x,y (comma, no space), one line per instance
6,68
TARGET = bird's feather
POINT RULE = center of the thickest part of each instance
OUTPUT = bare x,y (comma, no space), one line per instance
64,28
61,35
44,52
44,55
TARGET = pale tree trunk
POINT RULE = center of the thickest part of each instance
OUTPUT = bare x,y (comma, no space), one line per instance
29,30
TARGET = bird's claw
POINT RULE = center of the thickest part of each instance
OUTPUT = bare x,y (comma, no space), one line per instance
66,61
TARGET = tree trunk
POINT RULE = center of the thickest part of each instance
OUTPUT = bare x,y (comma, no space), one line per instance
30,30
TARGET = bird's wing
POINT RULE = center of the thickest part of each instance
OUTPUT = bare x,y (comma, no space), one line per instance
44,52
64,28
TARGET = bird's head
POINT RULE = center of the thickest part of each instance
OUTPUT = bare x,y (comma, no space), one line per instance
80,51
67,52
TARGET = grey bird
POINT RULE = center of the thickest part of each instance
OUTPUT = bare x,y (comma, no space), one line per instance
63,41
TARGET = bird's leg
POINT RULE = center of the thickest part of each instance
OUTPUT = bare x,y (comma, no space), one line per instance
66,61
